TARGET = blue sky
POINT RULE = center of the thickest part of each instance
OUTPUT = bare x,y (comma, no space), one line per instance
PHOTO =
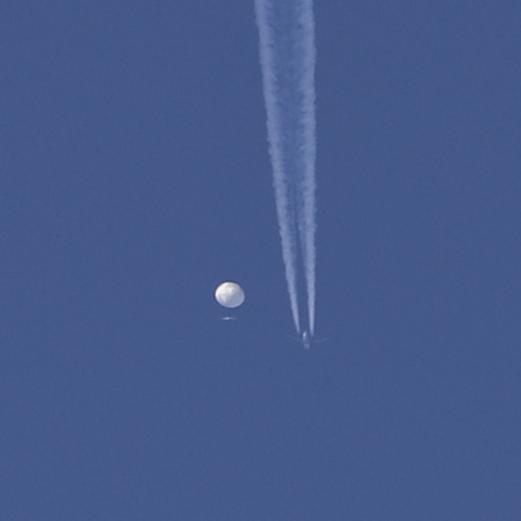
135,177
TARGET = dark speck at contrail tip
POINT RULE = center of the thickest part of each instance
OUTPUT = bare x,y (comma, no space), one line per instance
287,55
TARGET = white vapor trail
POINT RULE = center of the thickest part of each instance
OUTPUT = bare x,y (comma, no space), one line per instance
287,55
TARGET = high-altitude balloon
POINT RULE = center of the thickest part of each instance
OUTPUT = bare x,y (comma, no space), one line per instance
229,294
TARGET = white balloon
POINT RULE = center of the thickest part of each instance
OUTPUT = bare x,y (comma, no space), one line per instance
229,295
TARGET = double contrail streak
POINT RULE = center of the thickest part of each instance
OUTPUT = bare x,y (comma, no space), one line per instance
287,55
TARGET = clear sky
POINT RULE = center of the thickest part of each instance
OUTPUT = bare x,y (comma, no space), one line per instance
135,177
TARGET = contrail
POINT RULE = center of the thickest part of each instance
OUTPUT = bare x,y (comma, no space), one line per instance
287,55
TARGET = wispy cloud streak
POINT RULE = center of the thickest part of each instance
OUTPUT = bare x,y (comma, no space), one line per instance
287,53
